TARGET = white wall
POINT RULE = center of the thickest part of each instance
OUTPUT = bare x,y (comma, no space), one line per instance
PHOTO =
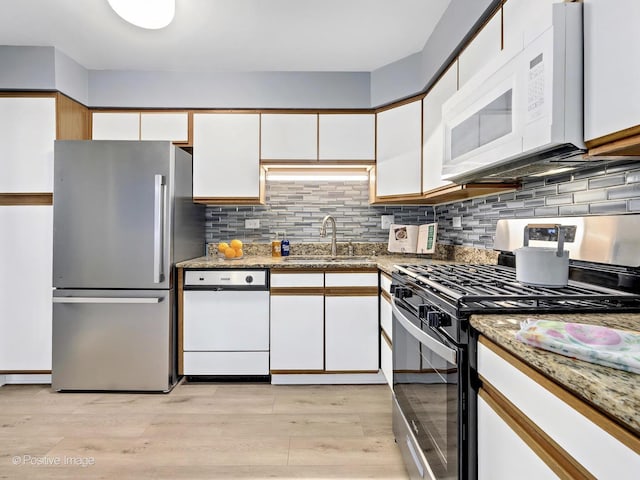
109,88
71,78
412,74
44,68
27,68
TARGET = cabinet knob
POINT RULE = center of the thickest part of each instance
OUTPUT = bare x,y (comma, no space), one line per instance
249,279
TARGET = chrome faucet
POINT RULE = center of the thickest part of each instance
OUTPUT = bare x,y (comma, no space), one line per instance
323,233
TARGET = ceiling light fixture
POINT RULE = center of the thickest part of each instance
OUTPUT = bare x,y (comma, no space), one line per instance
150,14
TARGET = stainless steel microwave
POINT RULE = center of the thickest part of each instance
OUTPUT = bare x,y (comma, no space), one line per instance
523,112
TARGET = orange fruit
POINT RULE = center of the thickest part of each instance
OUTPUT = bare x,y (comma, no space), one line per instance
230,253
238,252
222,246
235,243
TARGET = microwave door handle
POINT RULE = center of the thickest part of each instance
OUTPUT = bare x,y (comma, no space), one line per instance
449,354
158,229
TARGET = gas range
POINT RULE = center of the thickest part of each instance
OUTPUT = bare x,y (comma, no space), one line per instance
461,289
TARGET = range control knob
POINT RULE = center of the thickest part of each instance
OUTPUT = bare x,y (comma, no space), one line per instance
249,279
438,319
401,292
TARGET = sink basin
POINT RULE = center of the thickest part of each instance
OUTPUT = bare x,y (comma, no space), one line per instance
325,259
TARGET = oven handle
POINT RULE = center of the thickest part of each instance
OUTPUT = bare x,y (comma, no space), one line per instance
449,354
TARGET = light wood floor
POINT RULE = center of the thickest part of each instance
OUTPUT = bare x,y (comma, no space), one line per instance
200,431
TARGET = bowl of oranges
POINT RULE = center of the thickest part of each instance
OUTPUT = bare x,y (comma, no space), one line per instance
231,250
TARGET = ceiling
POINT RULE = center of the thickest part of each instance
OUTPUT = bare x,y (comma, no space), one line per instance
229,35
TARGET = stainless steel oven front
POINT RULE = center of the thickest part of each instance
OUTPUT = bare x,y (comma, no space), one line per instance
430,414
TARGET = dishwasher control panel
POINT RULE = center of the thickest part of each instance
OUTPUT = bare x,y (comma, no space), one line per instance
236,278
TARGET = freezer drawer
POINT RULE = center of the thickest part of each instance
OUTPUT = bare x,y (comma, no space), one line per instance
113,340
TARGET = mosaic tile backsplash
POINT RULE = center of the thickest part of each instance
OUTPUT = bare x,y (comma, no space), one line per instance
298,208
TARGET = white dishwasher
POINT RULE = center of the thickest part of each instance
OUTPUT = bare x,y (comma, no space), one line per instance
226,323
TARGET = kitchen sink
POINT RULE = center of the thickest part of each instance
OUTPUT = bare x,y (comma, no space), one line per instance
325,259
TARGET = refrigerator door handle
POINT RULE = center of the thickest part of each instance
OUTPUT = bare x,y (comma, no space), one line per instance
158,230
106,300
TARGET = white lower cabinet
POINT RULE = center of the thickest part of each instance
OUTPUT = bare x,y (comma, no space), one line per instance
502,454
25,287
386,359
351,333
324,323
568,436
386,334
297,331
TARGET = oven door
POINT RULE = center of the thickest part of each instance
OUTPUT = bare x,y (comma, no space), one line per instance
426,416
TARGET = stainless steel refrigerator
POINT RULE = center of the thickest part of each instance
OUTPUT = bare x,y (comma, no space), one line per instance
123,215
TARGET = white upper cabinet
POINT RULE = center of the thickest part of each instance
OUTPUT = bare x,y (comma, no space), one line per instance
168,126
485,46
226,161
398,159
289,136
524,20
165,126
347,136
433,134
611,66
115,126
27,134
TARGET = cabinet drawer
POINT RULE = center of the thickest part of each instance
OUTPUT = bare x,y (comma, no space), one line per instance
226,363
297,280
599,452
368,279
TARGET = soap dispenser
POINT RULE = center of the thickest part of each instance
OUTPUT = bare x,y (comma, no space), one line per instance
284,245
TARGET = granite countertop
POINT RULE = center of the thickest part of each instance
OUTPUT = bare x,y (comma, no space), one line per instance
383,262
614,392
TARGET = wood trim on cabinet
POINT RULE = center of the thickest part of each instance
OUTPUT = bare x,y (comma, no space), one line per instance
447,193
270,161
13,199
371,269
386,295
606,423
25,372
22,94
319,291
72,119
602,141
385,274
627,146
320,372
351,291
180,298
386,338
228,200
552,454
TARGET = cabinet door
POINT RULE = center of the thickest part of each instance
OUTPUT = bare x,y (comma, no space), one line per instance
226,161
25,287
297,340
347,137
352,333
398,156
485,46
386,359
289,136
165,126
115,126
433,134
27,134
611,69
524,20
495,438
